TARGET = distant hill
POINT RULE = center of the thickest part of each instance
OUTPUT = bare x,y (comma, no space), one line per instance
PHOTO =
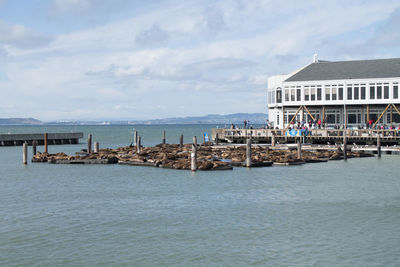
237,118
20,121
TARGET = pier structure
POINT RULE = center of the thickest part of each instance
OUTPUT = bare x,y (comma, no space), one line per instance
314,136
351,94
39,139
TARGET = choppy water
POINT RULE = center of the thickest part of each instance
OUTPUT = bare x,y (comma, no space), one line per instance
334,213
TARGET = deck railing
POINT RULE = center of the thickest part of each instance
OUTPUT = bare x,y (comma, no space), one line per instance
268,133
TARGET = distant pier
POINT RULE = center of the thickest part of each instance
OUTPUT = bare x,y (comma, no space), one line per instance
52,139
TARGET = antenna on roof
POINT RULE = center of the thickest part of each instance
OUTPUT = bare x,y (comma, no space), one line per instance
315,58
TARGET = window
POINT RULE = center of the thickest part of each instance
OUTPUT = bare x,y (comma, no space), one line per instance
362,91
386,91
379,91
327,93
312,93
278,95
292,95
332,117
349,93
306,93
286,94
372,91
356,95
277,119
334,92
354,116
395,91
340,93
319,93
298,90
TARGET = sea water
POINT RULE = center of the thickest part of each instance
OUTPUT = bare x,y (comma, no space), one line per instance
334,213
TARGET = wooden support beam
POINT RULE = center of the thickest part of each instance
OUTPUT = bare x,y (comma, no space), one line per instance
323,116
193,155
298,148
297,112
345,144
378,145
391,115
367,122
397,110
34,143
25,153
381,115
309,113
89,143
46,148
96,147
135,135
248,153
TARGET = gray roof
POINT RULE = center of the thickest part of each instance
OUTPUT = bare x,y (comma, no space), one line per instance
343,70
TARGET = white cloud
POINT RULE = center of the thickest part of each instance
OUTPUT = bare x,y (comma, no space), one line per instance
21,36
192,52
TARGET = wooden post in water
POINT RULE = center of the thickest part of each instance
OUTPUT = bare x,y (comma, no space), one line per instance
34,147
46,150
135,138
273,139
138,144
378,145
96,147
25,153
89,143
163,137
181,141
299,148
193,155
216,139
345,145
248,153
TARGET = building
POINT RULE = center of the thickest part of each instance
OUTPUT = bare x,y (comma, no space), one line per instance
347,93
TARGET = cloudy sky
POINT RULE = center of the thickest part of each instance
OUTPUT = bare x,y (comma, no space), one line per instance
145,59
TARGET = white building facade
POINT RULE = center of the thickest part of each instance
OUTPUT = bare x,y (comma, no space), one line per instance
341,93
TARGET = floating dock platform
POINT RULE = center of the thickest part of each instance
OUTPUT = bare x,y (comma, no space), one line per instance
52,139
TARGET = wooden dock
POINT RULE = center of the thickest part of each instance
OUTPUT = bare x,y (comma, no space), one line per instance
314,136
52,139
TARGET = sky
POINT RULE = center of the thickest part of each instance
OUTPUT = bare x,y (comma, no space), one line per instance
148,59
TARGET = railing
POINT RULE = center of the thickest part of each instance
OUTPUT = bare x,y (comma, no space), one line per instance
332,133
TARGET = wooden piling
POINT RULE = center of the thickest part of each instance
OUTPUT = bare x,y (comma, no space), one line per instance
298,148
96,147
345,145
25,153
216,138
46,136
378,146
138,145
163,137
89,143
34,144
181,141
193,161
248,153
135,135
273,139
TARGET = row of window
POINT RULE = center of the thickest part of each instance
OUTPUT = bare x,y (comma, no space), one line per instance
337,92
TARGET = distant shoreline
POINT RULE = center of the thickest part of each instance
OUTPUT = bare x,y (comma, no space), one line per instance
237,118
